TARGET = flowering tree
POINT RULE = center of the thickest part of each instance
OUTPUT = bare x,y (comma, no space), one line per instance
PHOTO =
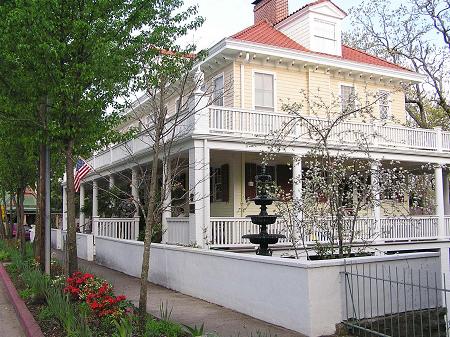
342,182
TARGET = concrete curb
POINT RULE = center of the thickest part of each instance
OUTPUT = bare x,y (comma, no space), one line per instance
26,319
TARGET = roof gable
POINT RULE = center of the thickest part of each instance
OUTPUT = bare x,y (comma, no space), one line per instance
264,33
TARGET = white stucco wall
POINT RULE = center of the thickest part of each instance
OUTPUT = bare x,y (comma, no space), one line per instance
303,296
85,243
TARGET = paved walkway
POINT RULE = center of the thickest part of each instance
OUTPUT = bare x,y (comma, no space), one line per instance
189,310
9,323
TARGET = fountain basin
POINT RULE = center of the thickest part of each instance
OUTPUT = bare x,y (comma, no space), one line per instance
263,220
263,238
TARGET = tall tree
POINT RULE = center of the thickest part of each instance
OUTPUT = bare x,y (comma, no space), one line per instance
414,34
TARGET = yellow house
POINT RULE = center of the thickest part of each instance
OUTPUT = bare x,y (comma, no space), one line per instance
245,81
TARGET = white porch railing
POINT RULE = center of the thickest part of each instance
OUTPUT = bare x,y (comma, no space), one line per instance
119,228
250,122
409,228
229,231
178,230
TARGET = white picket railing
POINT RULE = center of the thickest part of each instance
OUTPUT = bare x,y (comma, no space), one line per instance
119,228
409,228
178,230
229,231
447,225
256,123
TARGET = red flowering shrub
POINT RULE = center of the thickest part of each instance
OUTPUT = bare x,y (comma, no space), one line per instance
97,294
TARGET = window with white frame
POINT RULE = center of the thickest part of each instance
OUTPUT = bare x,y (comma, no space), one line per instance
264,92
347,98
218,91
325,35
383,104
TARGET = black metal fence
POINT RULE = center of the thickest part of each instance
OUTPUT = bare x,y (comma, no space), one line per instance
395,302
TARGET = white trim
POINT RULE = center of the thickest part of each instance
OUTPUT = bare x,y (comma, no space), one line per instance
242,74
325,60
265,72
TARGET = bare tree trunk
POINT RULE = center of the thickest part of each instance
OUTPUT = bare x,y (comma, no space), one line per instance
7,227
71,245
20,219
11,222
40,233
148,240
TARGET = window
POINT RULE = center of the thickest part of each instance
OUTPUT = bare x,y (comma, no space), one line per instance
218,91
347,98
383,103
219,190
325,30
264,92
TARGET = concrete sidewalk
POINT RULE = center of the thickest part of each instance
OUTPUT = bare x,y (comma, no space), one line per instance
9,323
189,310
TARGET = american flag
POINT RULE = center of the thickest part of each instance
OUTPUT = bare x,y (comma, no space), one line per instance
81,170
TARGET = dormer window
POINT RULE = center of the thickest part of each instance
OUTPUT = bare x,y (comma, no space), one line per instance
325,34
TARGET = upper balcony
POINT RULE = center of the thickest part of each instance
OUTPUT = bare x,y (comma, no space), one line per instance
247,124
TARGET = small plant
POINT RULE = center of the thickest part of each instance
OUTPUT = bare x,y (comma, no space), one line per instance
195,331
45,314
124,328
37,282
164,311
25,294
4,256
157,328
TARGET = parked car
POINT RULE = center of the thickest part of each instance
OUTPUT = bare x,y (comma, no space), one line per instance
27,231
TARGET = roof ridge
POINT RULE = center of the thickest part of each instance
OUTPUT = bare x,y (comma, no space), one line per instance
251,27
313,3
370,55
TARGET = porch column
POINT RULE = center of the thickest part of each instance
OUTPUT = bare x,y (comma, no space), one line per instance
135,189
94,207
111,187
375,181
82,215
64,208
446,194
297,187
439,192
199,203
166,211
135,195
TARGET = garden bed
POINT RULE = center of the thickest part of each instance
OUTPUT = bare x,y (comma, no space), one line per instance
82,305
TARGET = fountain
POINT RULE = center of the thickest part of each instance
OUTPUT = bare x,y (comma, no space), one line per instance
263,219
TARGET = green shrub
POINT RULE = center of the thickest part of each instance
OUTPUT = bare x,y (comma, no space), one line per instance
158,328
45,314
26,294
37,282
4,256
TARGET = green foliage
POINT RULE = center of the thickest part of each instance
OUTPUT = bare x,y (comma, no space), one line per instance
195,331
25,294
124,327
45,314
158,328
164,312
4,256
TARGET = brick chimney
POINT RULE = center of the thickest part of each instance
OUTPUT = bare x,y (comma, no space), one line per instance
272,10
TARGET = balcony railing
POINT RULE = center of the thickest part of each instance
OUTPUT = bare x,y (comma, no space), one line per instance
256,123
250,123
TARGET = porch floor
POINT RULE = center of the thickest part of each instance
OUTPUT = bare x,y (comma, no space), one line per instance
186,309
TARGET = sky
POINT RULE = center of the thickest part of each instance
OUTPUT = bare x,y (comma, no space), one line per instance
226,17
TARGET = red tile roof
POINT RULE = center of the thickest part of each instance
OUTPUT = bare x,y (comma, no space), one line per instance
263,32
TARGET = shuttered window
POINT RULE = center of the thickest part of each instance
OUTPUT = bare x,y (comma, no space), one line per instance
219,183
